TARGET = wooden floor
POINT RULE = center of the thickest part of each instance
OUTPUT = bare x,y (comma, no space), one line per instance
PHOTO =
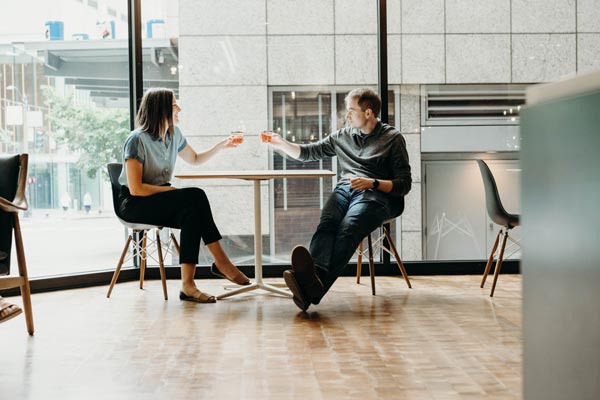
443,339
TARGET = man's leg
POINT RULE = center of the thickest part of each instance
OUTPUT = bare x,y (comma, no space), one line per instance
362,218
303,278
322,244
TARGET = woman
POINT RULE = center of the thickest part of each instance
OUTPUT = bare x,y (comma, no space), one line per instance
146,196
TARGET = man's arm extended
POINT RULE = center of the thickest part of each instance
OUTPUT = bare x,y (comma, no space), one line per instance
279,143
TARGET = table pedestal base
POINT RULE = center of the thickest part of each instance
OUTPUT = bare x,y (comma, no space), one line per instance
255,286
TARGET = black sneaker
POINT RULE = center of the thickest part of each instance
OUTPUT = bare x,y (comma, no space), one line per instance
305,274
299,297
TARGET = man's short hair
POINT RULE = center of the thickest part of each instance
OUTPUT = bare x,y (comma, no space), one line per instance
366,98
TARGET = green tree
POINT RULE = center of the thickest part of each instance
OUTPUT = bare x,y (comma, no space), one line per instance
96,134
5,136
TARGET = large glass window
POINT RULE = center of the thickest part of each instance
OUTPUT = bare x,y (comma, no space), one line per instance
300,117
63,100
460,123
283,65
274,65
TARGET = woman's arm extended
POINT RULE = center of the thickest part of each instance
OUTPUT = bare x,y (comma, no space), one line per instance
189,155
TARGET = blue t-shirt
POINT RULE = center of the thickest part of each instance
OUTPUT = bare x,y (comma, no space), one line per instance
157,157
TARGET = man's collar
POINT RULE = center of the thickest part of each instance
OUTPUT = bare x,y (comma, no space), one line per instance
374,132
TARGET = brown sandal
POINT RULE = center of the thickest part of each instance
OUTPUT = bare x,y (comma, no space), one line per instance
8,310
198,297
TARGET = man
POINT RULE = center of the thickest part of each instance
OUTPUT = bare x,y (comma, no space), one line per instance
374,178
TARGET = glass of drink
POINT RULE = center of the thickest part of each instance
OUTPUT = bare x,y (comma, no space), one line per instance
237,137
266,136
237,134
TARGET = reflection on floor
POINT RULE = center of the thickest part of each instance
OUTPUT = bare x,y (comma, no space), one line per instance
443,339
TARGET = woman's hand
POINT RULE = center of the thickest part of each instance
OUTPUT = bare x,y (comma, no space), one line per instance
232,141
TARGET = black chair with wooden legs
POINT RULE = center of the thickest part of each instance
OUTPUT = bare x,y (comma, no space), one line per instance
379,244
498,214
138,238
13,179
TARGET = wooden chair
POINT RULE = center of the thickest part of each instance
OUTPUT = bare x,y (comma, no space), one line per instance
142,245
13,178
498,214
379,245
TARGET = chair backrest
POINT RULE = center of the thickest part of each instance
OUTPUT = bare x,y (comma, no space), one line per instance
114,171
494,207
13,175
10,168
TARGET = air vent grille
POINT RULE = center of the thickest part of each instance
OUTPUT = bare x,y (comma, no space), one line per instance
472,105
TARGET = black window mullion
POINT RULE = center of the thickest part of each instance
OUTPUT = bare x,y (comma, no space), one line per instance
383,80
136,79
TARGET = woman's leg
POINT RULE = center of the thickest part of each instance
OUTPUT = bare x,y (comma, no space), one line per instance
187,209
225,266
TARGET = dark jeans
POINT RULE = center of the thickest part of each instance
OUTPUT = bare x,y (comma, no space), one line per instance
347,218
187,209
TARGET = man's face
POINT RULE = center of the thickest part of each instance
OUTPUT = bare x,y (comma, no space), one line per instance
355,116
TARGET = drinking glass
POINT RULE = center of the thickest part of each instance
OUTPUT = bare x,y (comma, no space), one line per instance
237,134
266,136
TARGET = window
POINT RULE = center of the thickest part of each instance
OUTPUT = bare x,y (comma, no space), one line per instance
63,100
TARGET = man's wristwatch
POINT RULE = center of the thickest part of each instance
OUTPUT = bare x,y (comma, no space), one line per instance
375,183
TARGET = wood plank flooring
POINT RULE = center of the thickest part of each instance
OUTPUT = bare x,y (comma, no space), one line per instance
443,339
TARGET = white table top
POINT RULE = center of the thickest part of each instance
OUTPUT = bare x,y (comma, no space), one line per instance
260,174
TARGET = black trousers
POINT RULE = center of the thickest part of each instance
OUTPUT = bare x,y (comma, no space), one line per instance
6,229
187,209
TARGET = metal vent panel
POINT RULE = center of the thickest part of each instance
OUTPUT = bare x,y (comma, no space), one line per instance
472,104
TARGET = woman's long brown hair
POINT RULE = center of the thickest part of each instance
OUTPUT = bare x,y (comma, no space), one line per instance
155,114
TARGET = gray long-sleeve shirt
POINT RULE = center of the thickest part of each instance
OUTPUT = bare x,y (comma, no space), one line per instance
379,155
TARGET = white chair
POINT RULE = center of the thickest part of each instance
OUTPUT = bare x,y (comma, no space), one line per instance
142,245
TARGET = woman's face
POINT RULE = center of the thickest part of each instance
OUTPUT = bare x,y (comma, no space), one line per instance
176,110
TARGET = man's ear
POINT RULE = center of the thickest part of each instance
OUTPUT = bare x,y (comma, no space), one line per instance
369,113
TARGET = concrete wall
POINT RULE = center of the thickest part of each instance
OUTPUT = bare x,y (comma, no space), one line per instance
232,51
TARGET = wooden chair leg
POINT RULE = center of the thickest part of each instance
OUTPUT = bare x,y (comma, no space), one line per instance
25,289
488,266
371,264
499,263
119,265
397,257
359,262
143,261
175,243
163,274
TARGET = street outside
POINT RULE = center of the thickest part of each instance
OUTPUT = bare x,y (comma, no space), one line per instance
58,242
